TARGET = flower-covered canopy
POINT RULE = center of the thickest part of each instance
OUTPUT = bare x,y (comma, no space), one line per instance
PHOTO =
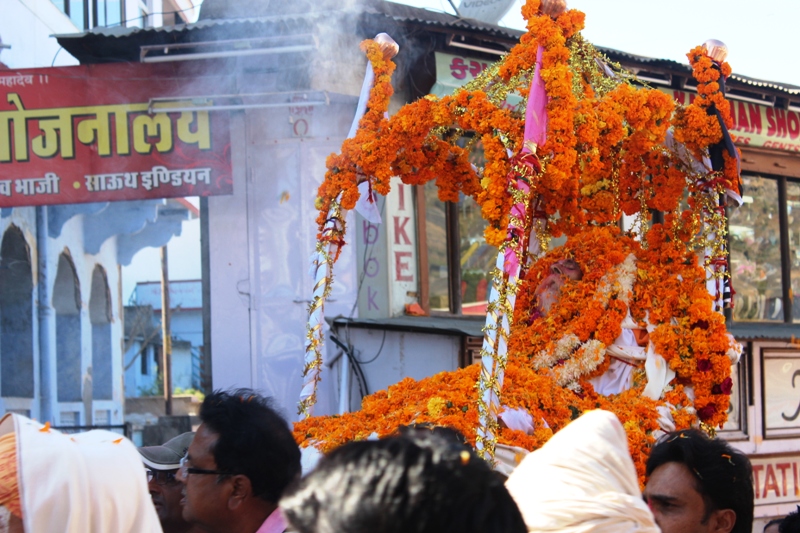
613,147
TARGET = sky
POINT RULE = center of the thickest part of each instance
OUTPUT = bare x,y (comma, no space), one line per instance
762,37
183,259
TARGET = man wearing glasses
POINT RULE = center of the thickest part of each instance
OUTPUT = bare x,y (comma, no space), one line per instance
162,463
242,458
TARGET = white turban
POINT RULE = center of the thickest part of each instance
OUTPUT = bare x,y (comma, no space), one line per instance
91,482
582,480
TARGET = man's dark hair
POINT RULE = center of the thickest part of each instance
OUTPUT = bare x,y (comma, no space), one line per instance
254,440
723,475
417,482
791,522
773,522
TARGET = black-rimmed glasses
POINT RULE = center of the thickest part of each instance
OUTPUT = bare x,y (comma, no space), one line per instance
161,477
185,469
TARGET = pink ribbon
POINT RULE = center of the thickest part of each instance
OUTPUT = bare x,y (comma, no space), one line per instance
525,165
536,112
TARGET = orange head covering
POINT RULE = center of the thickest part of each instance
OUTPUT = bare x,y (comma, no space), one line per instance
9,482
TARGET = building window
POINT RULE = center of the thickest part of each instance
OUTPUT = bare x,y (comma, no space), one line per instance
781,408
100,318
793,223
459,260
67,304
16,316
144,355
87,14
755,252
107,12
70,418
764,237
764,242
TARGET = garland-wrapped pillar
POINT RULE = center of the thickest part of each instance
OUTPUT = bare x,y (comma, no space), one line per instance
723,181
499,312
327,251
510,259
324,257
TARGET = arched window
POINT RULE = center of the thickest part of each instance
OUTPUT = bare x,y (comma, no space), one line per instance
67,303
16,316
100,317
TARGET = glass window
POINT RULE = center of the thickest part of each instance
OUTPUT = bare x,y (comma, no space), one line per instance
77,13
108,12
477,259
736,407
793,218
781,397
456,231
436,233
756,252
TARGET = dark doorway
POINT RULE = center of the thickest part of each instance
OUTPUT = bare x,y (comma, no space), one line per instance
16,316
100,317
67,303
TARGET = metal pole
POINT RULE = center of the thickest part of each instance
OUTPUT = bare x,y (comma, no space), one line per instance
206,382
46,316
166,335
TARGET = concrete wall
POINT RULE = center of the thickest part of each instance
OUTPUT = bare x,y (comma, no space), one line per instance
393,356
261,238
188,326
27,25
70,243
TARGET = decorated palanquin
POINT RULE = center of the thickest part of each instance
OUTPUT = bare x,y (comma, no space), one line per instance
626,315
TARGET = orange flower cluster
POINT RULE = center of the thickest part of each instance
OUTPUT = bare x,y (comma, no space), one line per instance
669,291
576,311
604,156
669,284
695,126
690,335
558,184
407,145
450,399
621,164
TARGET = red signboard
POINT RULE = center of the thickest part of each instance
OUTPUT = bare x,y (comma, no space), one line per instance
93,133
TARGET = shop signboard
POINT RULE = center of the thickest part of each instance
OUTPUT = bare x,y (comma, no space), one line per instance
776,480
94,133
781,370
454,71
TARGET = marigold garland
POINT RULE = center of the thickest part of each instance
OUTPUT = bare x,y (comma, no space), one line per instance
605,155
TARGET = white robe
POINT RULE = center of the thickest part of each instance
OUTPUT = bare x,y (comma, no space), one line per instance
582,481
91,482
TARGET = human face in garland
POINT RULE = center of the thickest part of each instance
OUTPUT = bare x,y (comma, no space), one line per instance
548,291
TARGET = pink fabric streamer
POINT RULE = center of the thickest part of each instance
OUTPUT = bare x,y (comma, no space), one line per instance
515,233
536,112
525,165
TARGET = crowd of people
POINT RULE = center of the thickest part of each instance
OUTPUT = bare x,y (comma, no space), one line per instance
240,472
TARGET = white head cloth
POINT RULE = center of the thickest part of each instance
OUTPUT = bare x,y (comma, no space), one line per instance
582,481
91,482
